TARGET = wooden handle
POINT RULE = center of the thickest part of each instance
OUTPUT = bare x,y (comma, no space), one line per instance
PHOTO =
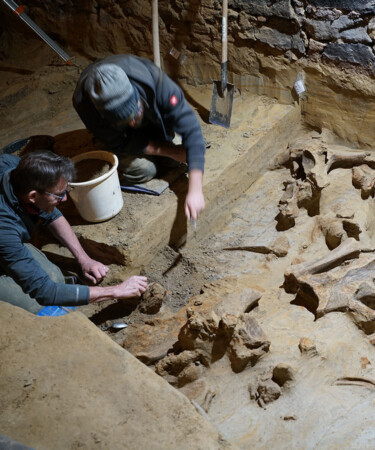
224,47
224,30
155,32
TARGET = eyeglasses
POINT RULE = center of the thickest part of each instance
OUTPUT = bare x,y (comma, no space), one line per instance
61,196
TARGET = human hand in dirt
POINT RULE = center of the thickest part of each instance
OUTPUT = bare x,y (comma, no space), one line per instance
93,270
194,202
134,286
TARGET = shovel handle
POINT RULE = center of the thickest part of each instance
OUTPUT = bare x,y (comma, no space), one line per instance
155,32
224,46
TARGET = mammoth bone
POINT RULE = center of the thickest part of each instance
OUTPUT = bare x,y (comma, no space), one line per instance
343,280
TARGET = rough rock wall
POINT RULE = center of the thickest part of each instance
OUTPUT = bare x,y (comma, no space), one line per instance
330,42
337,31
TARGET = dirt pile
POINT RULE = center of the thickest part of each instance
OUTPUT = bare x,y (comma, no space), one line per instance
90,169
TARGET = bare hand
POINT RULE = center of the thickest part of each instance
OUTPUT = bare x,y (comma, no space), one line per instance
134,286
194,204
93,270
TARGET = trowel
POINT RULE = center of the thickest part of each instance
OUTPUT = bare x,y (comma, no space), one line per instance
222,97
114,326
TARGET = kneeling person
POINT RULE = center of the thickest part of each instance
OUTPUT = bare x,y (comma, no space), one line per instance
30,190
135,109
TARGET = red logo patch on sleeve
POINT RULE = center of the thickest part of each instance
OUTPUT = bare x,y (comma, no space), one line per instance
173,101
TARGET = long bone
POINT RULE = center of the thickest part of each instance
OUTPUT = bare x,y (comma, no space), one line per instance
349,249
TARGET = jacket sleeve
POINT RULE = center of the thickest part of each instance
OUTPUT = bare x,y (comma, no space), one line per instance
18,262
178,115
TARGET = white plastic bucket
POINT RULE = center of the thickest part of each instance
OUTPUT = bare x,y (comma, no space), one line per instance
101,198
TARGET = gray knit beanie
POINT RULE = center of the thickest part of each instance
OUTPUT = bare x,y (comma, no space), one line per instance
112,94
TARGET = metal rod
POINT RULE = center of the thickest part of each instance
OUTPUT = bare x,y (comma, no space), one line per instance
20,11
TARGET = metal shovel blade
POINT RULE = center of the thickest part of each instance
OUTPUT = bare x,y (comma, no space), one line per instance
221,105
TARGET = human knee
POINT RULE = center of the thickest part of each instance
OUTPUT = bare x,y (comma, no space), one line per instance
137,170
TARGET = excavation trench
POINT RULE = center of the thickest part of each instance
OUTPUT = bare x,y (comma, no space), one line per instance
221,324
263,317
242,317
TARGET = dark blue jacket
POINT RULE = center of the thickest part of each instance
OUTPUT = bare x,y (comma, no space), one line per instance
164,112
16,261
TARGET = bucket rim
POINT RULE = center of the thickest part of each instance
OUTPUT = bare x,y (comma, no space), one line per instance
94,155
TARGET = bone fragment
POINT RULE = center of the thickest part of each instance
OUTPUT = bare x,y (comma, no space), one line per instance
307,347
336,230
248,343
268,391
347,160
278,247
364,178
349,249
355,381
348,288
